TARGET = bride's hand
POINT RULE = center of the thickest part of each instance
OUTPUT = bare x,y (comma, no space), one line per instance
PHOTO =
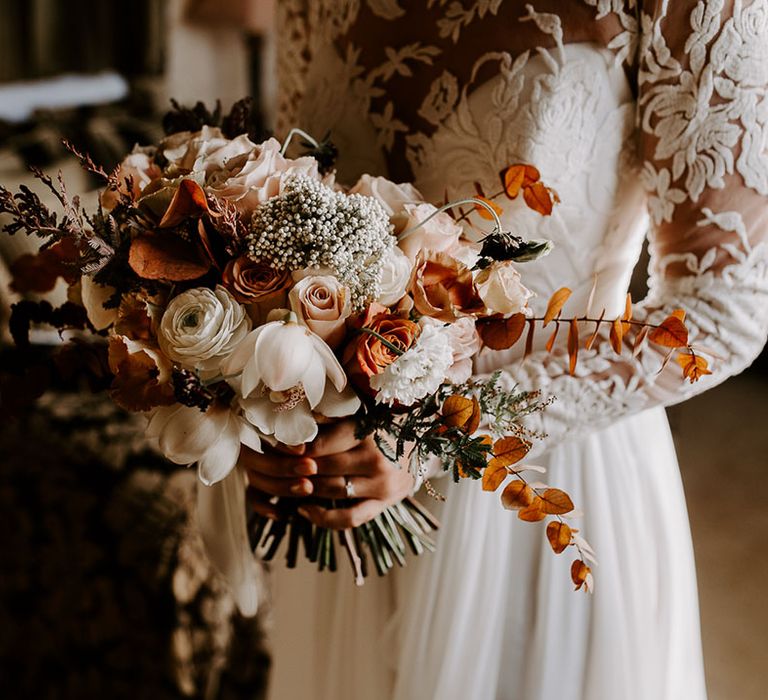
341,459
323,470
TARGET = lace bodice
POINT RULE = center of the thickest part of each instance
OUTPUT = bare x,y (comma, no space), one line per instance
646,117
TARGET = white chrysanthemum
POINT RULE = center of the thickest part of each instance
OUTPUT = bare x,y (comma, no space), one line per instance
419,371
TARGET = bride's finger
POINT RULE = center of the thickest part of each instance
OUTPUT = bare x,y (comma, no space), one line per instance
261,503
343,518
336,487
276,465
356,461
290,488
333,439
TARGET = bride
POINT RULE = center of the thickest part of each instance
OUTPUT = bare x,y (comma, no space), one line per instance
649,118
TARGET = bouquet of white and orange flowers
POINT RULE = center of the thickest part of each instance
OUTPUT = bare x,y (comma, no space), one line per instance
244,297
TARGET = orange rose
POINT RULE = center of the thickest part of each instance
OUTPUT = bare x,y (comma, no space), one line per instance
252,282
442,287
368,355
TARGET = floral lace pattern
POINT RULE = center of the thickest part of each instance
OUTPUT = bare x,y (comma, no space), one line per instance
631,110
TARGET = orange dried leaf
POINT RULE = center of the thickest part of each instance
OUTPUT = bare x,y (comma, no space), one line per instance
592,338
516,495
474,421
501,333
529,338
627,317
556,502
617,335
671,333
512,179
494,476
136,386
539,198
483,212
189,200
457,411
553,337
579,573
165,257
509,450
667,358
679,313
694,366
559,536
639,340
556,303
628,308
573,346
533,513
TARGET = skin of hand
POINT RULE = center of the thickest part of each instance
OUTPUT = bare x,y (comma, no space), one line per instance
319,469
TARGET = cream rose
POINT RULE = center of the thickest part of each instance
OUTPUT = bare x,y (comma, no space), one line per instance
251,179
392,197
465,343
501,289
200,328
440,234
323,304
206,151
395,276
238,170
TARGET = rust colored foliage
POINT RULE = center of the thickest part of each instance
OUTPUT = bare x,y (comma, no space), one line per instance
499,333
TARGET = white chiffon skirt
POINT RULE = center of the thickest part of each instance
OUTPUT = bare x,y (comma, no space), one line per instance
492,615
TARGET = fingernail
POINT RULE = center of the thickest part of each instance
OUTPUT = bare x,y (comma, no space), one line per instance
303,512
307,467
301,489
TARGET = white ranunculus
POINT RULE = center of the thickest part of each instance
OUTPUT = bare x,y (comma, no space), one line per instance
465,343
200,328
393,197
287,372
420,370
322,304
440,234
501,288
395,276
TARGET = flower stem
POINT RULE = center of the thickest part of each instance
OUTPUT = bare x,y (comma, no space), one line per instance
300,132
398,351
455,203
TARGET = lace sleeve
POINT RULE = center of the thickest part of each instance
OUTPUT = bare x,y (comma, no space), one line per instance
703,113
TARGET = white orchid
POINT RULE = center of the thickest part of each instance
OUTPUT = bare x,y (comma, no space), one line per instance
211,438
287,372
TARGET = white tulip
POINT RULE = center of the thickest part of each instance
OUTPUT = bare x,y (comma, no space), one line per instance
284,370
212,438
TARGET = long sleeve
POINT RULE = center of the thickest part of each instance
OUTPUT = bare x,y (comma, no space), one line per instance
703,118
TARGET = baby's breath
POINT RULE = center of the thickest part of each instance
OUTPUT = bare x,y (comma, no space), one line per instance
310,225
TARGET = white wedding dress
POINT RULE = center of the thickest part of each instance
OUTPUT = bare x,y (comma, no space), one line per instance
648,119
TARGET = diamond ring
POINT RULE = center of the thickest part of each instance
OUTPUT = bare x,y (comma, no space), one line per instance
349,487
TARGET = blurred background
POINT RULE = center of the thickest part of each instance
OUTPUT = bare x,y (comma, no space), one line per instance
102,580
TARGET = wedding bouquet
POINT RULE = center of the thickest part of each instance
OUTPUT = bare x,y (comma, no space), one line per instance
243,298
